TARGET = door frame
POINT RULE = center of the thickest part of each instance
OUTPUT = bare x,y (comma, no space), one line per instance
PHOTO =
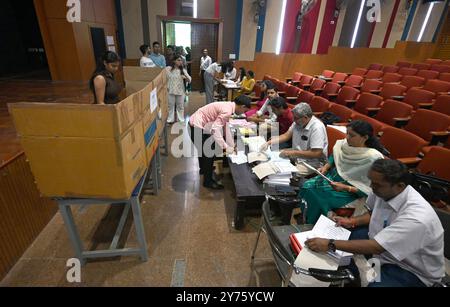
160,20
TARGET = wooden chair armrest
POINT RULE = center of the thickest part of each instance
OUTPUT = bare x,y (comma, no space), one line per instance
411,162
373,111
426,105
440,133
341,83
401,121
350,103
318,92
358,87
282,94
327,79
398,98
341,124
439,137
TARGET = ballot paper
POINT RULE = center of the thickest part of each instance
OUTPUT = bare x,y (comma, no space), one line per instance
242,123
239,158
257,157
317,172
271,168
254,143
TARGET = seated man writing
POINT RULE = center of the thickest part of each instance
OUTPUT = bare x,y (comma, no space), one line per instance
404,232
309,140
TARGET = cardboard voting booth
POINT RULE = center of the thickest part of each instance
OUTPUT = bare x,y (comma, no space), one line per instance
93,151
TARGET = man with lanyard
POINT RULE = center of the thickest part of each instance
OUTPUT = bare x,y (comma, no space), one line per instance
404,232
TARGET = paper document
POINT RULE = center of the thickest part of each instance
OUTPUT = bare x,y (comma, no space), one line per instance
317,172
257,157
239,158
271,168
254,143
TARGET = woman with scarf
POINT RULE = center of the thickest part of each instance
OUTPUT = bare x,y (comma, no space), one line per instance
347,169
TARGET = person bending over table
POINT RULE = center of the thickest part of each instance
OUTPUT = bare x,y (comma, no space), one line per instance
404,232
213,119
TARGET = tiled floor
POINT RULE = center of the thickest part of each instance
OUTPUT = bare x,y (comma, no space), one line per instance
184,222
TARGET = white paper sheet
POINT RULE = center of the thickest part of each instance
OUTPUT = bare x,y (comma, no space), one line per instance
257,156
316,171
239,158
154,100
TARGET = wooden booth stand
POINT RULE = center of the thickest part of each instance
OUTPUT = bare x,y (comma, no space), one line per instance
87,155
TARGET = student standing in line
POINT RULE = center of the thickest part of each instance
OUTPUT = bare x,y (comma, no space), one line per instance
145,59
176,76
106,90
205,62
157,57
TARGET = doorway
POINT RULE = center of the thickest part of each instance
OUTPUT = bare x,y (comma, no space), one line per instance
197,34
22,53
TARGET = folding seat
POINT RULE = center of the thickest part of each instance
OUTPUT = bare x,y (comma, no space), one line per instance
442,105
390,68
415,97
374,74
377,126
282,87
432,163
391,110
422,66
295,78
334,135
440,68
354,81
344,113
359,72
405,71
426,123
330,91
305,80
391,90
328,74
371,85
445,76
292,93
319,105
304,96
412,81
428,74
437,86
375,66
346,93
433,61
339,78
391,77
402,64
367,101
316,86
401,144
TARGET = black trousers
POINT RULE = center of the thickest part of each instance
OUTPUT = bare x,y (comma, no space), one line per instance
202,72
206,163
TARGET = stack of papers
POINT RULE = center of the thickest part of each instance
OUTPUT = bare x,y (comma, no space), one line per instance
239,158
271,168
254,143
242,123
257,157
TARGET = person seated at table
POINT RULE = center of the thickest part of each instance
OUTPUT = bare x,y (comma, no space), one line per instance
309,140
263,99
347,169
241,75
285,119
247,84
265,113
404,231
213,120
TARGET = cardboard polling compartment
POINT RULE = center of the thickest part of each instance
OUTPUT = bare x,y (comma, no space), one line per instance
88,151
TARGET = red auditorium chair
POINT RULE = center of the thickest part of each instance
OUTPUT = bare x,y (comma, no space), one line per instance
371,85
292,93
339,78
317,86
445,77
345,94
405,71
427,124
334,135
375,66
440,68
401,144
374,74
390,90
319,105
367,101
416,97
432,163
402,64
428,74
282,87
391,110
433,61
446,62
327,74
377,126
391,78
330,90
442,105
344,113
422,66
412,81
295,78
437,86
305,96
359,72
305,80
267,77
354,81
390,68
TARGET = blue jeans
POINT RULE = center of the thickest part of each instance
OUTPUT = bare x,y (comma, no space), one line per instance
391,275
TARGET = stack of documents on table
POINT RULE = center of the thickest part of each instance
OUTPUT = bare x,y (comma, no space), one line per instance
254,143
257,157
307,259
239,158
242,123
279,168
228,82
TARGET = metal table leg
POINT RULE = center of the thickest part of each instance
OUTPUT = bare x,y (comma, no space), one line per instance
140,232
69,221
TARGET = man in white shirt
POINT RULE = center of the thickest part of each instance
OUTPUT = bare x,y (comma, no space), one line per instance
205,62
145,60
404,233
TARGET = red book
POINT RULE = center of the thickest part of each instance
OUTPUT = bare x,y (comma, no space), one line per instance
296,246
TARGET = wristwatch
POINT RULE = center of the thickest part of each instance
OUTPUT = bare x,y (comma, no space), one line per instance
331,246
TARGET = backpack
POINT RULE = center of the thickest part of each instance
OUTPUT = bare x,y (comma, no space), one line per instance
329,118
